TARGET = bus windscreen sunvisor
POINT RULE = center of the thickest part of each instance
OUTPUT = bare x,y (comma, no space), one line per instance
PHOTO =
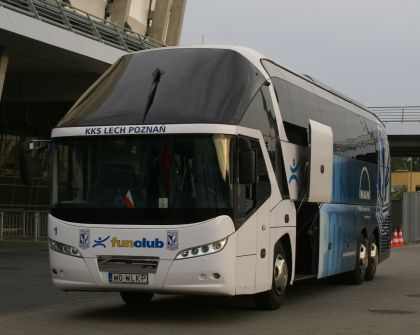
193,86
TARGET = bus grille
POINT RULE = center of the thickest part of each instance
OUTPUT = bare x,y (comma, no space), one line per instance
128,264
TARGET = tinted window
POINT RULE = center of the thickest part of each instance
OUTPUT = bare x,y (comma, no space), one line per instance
354,136
283,99
260,114
304,106
263,181
266,121
170,86
355,129
332,115
358,139
146,179
367,148
252,196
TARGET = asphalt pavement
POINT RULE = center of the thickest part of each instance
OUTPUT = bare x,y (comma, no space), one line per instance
29,304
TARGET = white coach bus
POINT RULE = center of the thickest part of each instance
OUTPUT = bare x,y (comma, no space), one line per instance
214,170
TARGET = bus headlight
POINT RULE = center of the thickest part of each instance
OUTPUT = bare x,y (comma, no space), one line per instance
201,250
63,248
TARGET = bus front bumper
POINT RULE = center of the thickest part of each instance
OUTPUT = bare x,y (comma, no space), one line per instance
209,274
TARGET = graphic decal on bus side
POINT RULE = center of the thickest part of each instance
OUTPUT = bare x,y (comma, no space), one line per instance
353,207
383,186
354,181
295,158
100,242
140,243
293,171
172,241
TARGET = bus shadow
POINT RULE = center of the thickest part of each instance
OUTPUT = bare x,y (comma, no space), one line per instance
174,309
198,309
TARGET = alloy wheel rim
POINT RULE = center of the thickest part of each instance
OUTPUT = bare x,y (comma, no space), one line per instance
281,274
374,255
363,258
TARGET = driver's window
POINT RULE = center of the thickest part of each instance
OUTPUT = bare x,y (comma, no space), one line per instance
252,196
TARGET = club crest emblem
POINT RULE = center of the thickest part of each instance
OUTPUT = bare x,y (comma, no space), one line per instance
84,237
172,240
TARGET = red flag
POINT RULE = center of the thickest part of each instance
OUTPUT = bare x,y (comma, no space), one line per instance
128,200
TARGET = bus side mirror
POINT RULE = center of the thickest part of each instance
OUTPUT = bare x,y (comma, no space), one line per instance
247,163
26,163
321,162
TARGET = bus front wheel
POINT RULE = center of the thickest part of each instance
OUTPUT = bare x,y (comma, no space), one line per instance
136,298
273,298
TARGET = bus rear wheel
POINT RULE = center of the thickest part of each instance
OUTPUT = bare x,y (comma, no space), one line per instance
136,298
373,259
273,298
357,276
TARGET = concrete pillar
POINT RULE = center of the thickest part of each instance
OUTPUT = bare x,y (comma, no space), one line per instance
138,16
167,19
4,61
119,11
176,20
94,7
160,20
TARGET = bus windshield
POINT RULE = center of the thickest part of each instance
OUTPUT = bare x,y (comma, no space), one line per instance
148,179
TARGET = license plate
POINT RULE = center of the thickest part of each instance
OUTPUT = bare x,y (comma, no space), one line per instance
128,278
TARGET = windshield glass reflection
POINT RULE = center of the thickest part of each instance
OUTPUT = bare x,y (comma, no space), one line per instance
150,172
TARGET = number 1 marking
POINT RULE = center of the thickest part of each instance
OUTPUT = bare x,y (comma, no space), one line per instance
55,230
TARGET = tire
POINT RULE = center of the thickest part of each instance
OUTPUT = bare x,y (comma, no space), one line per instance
373,259
273,298
136,298
357,276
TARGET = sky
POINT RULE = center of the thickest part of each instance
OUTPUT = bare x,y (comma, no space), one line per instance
367,49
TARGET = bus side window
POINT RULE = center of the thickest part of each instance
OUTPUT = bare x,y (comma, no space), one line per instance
260,115
252,196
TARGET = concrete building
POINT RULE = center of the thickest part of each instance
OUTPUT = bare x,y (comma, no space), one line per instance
402,123
408,181
160,20
50,53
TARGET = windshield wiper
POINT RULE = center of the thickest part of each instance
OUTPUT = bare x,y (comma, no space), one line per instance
157,75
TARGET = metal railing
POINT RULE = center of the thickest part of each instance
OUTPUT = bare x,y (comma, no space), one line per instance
80,22
397,114
23,225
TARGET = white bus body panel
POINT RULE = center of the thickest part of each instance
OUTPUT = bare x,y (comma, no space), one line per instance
321,164
192,275
241,267
279,227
